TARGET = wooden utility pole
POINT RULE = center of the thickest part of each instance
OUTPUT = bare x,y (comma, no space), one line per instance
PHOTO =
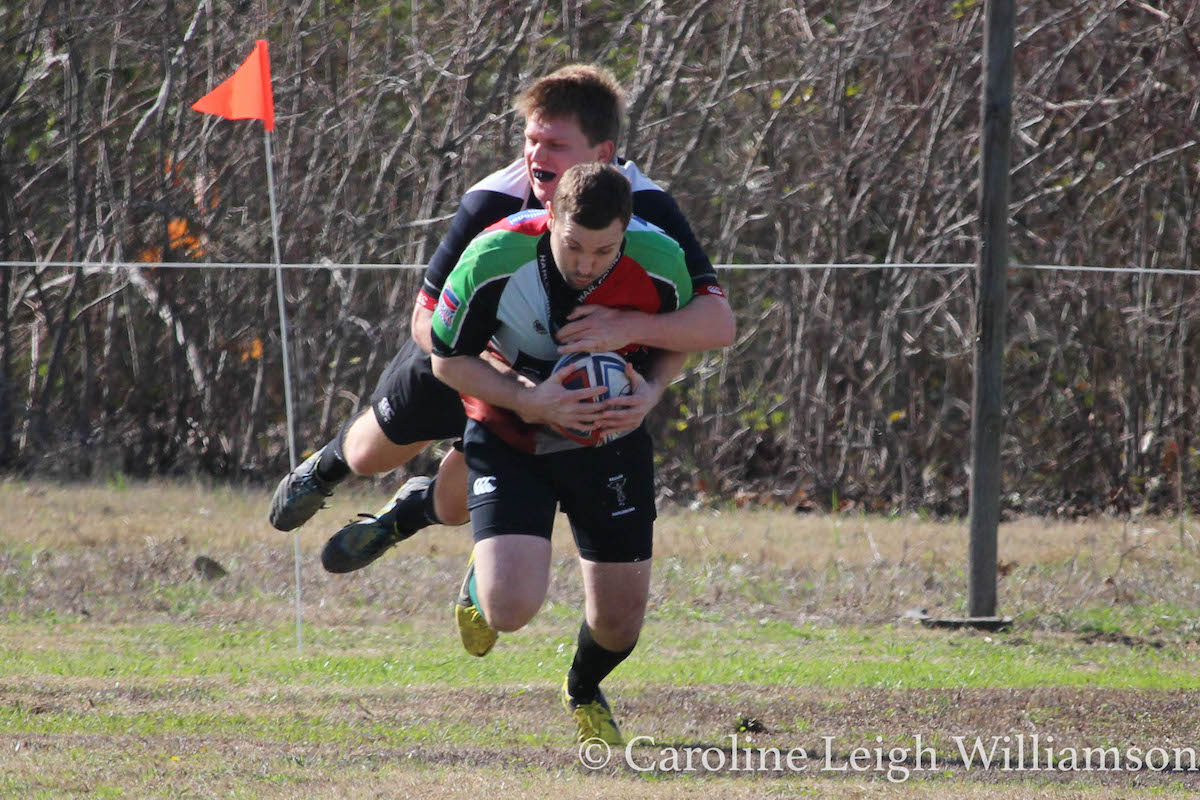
987,420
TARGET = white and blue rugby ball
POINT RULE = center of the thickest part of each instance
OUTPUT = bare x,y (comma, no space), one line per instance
585,370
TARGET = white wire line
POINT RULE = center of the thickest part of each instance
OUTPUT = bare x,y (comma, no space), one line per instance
101,266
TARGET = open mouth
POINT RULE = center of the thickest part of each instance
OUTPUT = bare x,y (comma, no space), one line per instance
543,175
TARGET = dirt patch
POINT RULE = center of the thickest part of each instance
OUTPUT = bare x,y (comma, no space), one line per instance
1109,637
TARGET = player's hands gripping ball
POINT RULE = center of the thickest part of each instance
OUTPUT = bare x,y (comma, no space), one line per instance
578,371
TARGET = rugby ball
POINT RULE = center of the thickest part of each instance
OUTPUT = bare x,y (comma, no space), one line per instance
585,370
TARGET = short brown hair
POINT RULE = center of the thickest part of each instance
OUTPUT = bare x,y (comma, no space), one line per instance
589,93
593,195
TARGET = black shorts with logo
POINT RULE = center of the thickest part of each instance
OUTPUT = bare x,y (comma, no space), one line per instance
412,405
607,493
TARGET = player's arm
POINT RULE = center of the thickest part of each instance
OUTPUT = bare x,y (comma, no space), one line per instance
419,327
476,210
624,414
703,324
547,403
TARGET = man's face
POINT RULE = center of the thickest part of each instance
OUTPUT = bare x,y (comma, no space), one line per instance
552,146
583,254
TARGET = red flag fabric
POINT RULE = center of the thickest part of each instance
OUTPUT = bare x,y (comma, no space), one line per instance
247,93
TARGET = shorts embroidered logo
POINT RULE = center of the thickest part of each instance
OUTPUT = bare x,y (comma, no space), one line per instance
617,484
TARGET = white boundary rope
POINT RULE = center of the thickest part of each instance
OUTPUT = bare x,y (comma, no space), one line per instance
104,266
109,266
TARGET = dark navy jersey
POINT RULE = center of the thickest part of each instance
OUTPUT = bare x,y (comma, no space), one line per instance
508,191
507,295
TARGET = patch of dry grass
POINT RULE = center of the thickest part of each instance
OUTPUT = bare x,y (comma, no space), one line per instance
83,767
390,751
226,518
98,551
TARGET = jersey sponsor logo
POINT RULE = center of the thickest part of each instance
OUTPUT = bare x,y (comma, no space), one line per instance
540,328
385,409
527,214
712,289
586,293
531,222
447,307
484,485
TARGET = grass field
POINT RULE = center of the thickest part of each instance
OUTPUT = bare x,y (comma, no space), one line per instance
125,673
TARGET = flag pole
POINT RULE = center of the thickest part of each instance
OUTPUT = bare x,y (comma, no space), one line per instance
287,377
247,94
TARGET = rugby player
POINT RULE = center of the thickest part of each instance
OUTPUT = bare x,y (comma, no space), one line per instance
513,289
572,116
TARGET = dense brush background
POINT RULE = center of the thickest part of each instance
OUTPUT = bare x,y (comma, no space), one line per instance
813,132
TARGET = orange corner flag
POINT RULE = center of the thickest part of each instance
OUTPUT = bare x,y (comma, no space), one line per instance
246,94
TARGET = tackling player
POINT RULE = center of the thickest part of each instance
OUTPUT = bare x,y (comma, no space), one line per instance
571,116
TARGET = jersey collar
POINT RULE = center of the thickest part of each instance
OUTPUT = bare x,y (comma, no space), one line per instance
561,299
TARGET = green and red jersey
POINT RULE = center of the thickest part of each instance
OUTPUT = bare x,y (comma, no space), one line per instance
507,295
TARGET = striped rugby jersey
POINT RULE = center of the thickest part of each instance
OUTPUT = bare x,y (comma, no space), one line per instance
507,295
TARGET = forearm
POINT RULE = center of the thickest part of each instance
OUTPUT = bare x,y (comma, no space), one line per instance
705,323
547,403
473,376
420,326
663,368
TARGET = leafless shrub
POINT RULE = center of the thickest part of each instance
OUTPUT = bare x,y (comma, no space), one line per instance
812,132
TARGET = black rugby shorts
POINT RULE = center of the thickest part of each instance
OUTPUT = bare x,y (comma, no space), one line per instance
411,404
606,492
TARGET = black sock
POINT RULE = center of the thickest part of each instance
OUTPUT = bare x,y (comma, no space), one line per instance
416,511
332,468
427,503
592,665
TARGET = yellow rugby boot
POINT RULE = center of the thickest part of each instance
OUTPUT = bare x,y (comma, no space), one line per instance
477,636
594,720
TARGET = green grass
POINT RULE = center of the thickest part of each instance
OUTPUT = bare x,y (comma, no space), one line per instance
123,674
770,653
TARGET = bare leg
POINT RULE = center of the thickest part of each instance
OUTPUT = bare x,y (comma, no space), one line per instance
615,597
512,573
450,491
368,451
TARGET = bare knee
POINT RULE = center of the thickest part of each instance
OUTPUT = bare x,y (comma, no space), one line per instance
508,614
452,515
512,573
615,632
615,598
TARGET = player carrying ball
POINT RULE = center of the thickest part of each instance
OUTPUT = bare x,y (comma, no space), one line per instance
572,116
511,291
